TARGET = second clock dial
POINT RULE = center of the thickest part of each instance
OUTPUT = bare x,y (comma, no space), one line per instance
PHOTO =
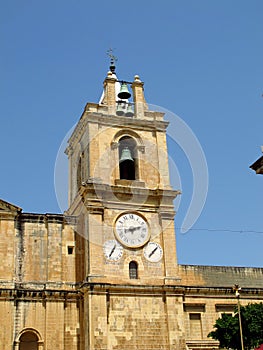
153,252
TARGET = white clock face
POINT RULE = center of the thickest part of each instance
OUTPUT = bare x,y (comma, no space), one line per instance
153,252
132,230
112,250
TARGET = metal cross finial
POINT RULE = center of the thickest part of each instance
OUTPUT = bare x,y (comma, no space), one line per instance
113,59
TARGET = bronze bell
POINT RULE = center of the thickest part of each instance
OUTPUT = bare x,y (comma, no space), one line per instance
120,109
126,155
124,93
129,112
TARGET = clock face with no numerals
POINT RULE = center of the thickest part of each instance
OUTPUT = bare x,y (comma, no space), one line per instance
112,250
132,230
153,252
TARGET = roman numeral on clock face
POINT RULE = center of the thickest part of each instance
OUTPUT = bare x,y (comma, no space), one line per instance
131,229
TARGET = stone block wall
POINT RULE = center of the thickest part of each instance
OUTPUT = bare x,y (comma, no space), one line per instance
38,276
128,322
37,248
54,320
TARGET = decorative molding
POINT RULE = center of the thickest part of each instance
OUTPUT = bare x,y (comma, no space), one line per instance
141,148
114,145
202,344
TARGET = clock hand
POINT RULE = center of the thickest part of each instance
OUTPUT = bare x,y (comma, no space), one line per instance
132,229
112,250
152,252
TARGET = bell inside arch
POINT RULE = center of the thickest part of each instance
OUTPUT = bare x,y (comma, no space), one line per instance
120,109
124,93
126,155
129,112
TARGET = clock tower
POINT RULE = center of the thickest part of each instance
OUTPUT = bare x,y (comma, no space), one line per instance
120,194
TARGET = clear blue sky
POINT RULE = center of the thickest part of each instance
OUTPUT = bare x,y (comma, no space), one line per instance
200,59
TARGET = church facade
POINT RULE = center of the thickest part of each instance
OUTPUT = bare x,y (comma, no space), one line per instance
104,275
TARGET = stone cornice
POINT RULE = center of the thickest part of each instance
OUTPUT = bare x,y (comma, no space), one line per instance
170,290
47,218
152,123
103,195
8,211
75,291
127,289
221,292
105,188
35,294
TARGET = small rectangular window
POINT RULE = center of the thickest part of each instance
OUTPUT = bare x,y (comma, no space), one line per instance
70,250
194,307
195,316
225,308
196,331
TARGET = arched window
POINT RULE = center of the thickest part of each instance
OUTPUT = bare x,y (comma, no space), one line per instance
80,171
133,270
28,341
128,158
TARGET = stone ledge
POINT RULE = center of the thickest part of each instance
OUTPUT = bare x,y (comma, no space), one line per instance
202,344
132,183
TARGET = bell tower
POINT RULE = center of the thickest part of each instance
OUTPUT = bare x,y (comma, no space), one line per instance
120,193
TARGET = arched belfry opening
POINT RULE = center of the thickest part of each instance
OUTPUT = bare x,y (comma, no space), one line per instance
128,162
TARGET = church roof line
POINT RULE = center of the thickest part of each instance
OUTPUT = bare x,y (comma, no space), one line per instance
7,206
221,276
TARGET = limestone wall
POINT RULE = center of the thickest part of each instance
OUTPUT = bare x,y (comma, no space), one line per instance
37,249
145,321
37,281
53,318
